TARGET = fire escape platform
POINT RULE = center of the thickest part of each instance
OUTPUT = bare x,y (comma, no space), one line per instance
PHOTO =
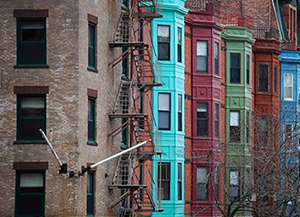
132,186
127,44
127,115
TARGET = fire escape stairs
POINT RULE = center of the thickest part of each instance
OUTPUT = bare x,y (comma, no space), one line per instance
136,194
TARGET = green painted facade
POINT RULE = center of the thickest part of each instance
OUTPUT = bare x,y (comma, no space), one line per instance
238,98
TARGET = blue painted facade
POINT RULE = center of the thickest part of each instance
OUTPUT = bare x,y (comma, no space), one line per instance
290,114
171,74
290,108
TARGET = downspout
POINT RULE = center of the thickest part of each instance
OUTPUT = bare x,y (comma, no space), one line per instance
276,15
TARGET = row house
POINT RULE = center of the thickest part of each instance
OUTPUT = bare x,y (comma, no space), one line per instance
203,101
168,104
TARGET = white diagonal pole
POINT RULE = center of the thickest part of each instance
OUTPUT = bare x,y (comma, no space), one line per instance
114,156
51,147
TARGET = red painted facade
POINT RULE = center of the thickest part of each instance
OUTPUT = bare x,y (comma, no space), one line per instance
266,51
205,87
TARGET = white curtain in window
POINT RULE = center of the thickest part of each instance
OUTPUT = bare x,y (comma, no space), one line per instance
201,48
201,107
32,103
234,119
234,178
31,180
202,175
288,86
163,102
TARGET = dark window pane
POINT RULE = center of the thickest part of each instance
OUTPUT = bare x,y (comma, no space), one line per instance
91,57
31,204
179,57
202,119
163,39
275,79
179,121
90,204
166,190
216,57
92,46
248,70
91,119
30,128
201,63
163,120
165,181
217,120
164,51
235,68
32,53
263,78
33,31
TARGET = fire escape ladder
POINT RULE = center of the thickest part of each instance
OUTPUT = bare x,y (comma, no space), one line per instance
126,212
123,173
123,103
143,65
148,9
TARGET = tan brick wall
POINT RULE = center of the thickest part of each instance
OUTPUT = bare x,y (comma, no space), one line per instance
68,80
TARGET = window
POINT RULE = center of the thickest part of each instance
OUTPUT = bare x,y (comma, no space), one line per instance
30,193
90,195
31,116
140,38
179,112
91,119
235,68
124,63
92,46
264,131
216,58
202,183
298,88
201,56
179,181
216,190
288,133
275,79
248,127
164,105
141,108
31,42
163,42
179,45
235,126
141,179
248,70
202,119
288,86
217,125
263,85
234,184
165,180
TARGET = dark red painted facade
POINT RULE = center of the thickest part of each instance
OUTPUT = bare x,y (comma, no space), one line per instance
205,87
266,51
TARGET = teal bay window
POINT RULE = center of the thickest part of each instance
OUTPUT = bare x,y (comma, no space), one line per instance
90,195
179,45
164,179
31,42
179,182
30,193
92,120
164,111
31,116
92,46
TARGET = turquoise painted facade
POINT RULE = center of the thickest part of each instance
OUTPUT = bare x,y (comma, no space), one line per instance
171,75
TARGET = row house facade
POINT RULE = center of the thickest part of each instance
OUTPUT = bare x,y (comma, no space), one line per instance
203,48
168,104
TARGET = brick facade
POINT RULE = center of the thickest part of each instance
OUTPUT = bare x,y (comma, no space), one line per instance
68,80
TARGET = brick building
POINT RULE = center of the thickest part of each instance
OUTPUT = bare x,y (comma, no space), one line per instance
60,61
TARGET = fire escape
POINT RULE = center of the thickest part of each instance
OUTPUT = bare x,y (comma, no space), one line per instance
133,175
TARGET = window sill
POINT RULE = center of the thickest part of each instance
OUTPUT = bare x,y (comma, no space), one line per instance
92,143
29,142
92,70
31,66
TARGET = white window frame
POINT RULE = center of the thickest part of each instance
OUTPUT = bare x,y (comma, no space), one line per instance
288,86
